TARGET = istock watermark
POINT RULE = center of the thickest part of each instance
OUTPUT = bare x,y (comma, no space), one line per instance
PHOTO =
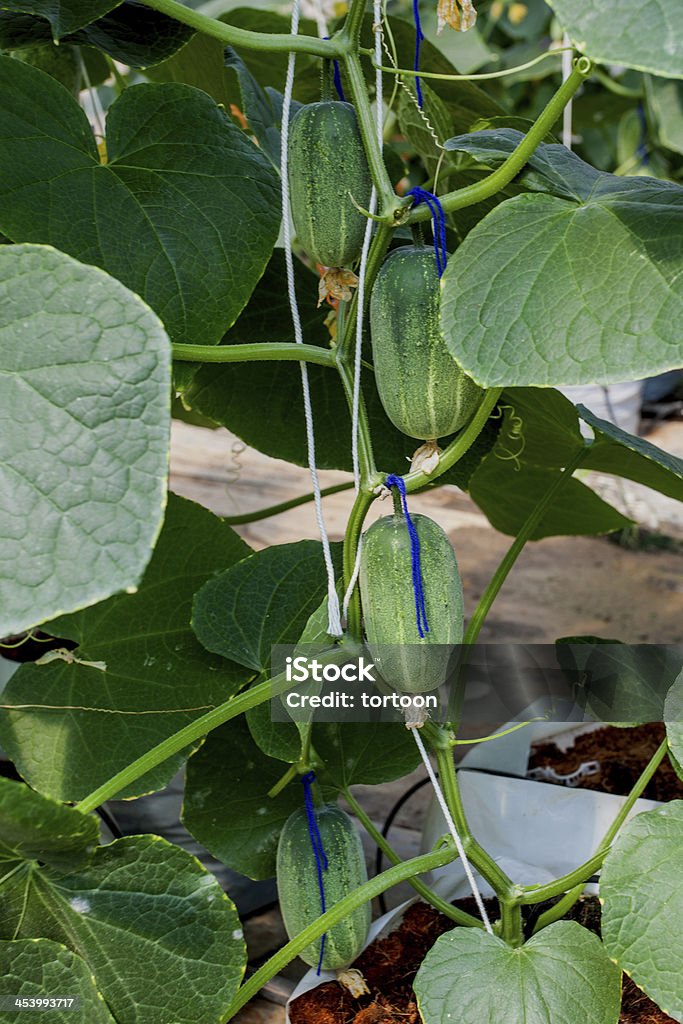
484,684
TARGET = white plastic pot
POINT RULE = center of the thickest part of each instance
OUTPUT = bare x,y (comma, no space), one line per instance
535,831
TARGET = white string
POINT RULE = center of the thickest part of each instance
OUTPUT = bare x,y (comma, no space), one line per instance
352,582
320,19
567,56
360,296
334,627
453,831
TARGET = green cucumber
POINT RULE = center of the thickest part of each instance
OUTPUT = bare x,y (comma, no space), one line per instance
327,164
410,663
297,883
423,391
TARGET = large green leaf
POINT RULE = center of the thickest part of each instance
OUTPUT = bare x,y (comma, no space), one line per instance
641,887
236,395
226,805
33,827
37,968
132,33
185,212
161,940
361,753
602,288
465,101
264,600
558,977
615,451
665,100
539,436
626,684
673,716
84,394
64,15
642,34
74,725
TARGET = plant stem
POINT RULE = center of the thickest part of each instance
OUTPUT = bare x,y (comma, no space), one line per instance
378,248
443,906
258,351
480,859
284,506
363,894
354,527
515,549
354,23
560,909
389,202
540,893
480,190
368,470
459,446
194,731
269,42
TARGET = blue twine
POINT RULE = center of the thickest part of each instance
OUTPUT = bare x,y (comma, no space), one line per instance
438,224
336,77
307,781
419,36
418,589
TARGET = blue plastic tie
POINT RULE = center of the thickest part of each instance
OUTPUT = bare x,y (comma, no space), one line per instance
438,224
307,781
336,76
419,36
418,589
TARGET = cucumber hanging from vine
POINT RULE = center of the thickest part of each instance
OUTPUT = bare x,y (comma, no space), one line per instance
423,391
327,165
410,659
298,886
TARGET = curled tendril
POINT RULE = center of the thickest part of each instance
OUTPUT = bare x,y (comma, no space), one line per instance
25,639
513,432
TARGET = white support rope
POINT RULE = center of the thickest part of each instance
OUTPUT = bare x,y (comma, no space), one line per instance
360,298
453,831
567,56
334,627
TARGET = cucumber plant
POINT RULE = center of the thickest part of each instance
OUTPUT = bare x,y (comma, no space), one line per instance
139,263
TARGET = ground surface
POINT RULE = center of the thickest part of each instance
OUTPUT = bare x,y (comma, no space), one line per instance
559,587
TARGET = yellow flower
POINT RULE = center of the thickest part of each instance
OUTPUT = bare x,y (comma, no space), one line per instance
459,14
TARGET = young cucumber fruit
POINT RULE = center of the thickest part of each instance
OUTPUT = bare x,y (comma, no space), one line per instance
424,392
297,883
327,164
410,663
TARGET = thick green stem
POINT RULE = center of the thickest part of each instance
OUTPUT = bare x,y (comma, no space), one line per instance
443,906
363,894
354,527
284,506
378,248
580,875
559,909
366,459
269,42
354,23
258,351
389,202
459,446
515,549
496,181
195,730
480,859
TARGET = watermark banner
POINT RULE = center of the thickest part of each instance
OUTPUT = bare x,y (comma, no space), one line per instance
567,681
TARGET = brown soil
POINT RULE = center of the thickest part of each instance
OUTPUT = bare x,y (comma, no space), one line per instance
622,753
390,966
